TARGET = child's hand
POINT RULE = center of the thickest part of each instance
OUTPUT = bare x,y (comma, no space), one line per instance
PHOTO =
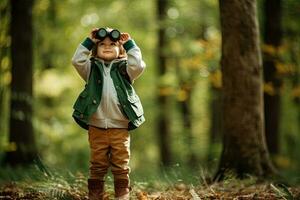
124,38
93,35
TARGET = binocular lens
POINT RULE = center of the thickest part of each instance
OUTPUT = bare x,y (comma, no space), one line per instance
102,33
114,35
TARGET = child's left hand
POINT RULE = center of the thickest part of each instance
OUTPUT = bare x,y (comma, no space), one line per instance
124,38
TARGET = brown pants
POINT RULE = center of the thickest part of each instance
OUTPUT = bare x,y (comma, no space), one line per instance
109,148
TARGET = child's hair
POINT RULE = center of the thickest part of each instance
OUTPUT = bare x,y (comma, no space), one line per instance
122,53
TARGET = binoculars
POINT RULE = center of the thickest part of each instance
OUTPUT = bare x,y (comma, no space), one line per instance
102,33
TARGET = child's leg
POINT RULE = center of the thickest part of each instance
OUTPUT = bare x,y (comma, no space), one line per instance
120,153
99,162
99,147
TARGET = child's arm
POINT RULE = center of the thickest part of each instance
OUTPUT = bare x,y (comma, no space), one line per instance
136,65
81,59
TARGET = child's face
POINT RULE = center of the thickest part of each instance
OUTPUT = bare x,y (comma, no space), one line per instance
108,50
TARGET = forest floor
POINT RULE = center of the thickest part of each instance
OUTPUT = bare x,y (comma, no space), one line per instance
235,190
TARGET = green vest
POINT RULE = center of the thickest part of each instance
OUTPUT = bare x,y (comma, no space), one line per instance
89,99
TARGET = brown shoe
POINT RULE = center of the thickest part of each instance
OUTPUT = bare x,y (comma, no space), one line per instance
122,189
96,189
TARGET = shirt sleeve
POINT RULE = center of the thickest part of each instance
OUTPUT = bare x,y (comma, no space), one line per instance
80,59
136,65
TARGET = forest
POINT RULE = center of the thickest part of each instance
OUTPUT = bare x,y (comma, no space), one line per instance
220,95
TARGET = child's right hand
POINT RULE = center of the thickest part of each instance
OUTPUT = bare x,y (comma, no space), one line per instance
93,35
124,38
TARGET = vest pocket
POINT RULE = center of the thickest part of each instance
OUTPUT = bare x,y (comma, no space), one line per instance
136,105
81,102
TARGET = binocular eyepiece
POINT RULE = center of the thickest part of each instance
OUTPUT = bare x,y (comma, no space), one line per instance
102,33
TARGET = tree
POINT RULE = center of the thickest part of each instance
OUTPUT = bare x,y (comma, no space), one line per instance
4,64
187,87
21,135
163,128
272,40
244,149
215,109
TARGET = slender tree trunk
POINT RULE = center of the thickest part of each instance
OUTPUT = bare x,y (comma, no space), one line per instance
216,120
185,105
244,147
4,66
296,78
187,125
21,130
272,38
164,112
216,127
47,54
186,112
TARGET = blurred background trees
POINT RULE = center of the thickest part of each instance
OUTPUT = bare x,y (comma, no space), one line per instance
164,112
21,135
272,37
181,88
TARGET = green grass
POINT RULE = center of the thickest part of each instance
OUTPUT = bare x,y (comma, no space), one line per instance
56,181
62,182
38,182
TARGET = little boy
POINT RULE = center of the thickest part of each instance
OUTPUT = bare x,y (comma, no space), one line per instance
108,107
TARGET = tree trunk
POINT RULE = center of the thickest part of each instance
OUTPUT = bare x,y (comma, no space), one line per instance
216,119
186,111
164,112
272,38
21,131
294,51
4,66
187,87
215,115
244,147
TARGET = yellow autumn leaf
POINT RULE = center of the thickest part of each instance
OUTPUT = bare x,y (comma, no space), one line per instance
270,49
296,92
216,79
284,69
182,95
209,54
166,91
269,88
